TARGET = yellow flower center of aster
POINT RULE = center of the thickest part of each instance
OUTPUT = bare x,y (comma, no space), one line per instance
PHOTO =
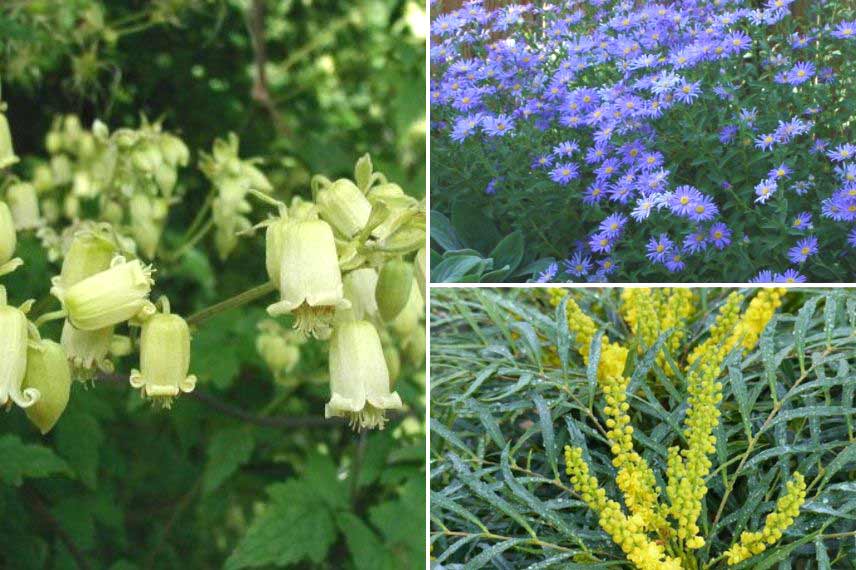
717,234
685,200
660,248
565,172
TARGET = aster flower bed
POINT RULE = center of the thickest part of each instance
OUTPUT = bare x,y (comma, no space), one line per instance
674,141
642,428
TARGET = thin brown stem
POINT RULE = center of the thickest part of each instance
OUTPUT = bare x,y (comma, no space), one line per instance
261,92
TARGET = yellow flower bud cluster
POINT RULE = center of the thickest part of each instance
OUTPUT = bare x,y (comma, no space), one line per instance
635,478
722,328
787,509
612,355
651,312
759,312
686,472
627,532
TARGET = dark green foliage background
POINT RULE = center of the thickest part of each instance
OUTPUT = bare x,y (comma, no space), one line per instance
133,487
500,418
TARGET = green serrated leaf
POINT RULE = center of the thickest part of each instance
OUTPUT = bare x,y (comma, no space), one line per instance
24,461
228,451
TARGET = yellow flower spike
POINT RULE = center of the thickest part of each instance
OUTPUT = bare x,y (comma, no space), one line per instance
777,522
109,297
164,358
759,312
720,330
359,377
627,532
49,373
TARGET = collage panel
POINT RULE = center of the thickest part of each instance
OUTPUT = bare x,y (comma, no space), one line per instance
667,428
643,142
212,284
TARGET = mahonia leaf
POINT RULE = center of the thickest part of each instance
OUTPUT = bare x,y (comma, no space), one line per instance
22,461
228,451
295,526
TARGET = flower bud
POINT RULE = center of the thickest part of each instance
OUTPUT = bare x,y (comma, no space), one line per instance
24,205
164,359
255,179
173,150
61,169
408,319
393,287
363,172
414,347
310,281
7,153
359,377
360,291
8,241
109,297
279,355
42,178
13,348
47,372
343,206
166,178
91,252
147,217
121,345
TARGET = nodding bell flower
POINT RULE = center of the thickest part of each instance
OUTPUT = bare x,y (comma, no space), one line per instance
360,287
359,377
8,241
25,206
7,153
394,283
47,372
87,350
14,331
164,358
280,350
310,282
109,297
343,206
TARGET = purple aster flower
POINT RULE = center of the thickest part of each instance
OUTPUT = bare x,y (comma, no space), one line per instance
594,194
842,152
845,30
500,125
606,265
801,72
465,126
695,242
799,42
736,42
727,134
851,238
764,276
781,171
607,169
566,149
613,225
703,210
542,161
764,190
490,189
675,262
660,248
564,173
643,208
804,249
684,199
688,92
548,274
789,276
578,265
802,221
765,142
720,235
600,243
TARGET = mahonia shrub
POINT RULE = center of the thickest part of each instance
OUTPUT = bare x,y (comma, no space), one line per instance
646,428
655,142
212,329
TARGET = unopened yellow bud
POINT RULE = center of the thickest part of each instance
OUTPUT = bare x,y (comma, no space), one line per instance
24,204
8,241
7,153
393,288
164,359
344,207
109,297
49,374
359,377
